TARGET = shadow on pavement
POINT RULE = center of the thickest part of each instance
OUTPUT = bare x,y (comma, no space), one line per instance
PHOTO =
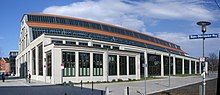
48,90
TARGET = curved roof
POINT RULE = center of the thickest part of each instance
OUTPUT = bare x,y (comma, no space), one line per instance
152,40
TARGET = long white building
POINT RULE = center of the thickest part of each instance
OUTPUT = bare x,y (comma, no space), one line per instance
57,49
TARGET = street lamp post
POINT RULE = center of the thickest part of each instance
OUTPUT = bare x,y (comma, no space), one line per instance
203,25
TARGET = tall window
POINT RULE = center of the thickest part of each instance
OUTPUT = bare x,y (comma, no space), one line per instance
112,64
97,64
186,66
40,59
193,67
123,65
69,64
49,65
33,62
178,66
132,66
84,64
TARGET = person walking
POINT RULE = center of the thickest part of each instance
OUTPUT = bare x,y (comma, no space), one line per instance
29,78
3,77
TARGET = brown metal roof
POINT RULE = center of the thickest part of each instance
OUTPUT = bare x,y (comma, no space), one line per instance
69,27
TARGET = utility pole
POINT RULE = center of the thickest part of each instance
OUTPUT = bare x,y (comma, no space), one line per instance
203,25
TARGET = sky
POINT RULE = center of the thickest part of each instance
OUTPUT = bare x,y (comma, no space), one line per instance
171,20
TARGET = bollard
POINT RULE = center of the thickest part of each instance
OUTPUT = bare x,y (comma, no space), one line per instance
64,83
127,90
102,92
81,84
106,91
92,85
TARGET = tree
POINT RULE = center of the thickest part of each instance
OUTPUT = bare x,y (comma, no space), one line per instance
212,62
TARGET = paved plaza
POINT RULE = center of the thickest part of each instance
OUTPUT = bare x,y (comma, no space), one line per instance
156,85
21,87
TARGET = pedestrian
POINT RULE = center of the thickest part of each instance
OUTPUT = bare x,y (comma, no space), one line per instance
3,77
26,77
29,78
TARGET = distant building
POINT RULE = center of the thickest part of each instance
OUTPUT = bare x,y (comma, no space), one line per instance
4,66
12,56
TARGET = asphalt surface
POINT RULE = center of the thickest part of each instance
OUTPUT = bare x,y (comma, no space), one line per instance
21,87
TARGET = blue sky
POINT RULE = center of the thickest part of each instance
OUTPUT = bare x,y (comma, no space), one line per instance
171,20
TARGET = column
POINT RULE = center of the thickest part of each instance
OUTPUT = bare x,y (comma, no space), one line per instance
174,65
145,62
162,65
91,66
118,68
56,66
190,68
36,59
183,72
137,68
200,67
77,65
105,66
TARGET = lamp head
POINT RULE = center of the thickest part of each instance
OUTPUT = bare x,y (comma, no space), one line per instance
203,24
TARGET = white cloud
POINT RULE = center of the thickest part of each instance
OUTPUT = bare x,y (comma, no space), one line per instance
133,14
140,15
193,47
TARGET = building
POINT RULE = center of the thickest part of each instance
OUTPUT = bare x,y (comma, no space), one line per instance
12,56
4,66
56,49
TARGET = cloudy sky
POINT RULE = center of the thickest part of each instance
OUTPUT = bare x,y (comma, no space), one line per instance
171,20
